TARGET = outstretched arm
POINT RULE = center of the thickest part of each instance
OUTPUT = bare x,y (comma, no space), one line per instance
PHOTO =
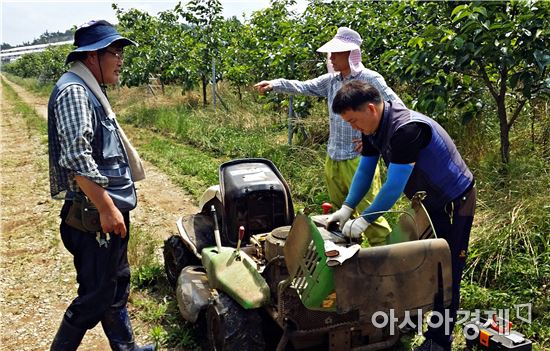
314,87
263,86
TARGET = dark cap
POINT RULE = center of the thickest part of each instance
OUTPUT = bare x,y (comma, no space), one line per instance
95,35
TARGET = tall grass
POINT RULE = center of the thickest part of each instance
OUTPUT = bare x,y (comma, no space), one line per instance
216,136
33,121
31,84
509,259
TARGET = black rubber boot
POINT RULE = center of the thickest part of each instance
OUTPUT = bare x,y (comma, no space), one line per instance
67,338
117,327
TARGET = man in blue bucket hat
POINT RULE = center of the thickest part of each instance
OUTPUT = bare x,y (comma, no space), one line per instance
93,168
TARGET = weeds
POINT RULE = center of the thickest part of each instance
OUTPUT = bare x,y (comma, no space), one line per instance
146,275
31,84
153,301
32,119
509,260
213,142
142,248
156,306
151,310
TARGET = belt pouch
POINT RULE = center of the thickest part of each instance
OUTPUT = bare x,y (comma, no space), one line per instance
83,215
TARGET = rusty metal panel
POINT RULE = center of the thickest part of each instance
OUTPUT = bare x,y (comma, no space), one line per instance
403,276
339,340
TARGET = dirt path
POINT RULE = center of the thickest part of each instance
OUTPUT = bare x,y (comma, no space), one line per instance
160,201
37,279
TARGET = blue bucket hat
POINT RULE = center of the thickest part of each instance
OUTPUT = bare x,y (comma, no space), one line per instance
95,35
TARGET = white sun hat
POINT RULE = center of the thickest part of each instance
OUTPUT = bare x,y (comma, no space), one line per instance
346,39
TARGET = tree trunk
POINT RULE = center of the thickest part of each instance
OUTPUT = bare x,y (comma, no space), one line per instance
533,117
204,82
504,131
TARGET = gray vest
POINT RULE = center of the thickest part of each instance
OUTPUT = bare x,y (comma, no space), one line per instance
439,170
107,150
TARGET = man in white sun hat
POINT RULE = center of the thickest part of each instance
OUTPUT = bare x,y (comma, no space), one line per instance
344,144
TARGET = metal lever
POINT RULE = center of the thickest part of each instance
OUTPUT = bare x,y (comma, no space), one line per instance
241,236
216,229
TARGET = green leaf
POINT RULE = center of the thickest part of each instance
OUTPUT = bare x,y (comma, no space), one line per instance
461,15
458,43
542,58
459,8
481,10
416,42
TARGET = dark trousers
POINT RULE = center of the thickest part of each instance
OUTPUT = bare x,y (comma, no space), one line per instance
453,223
102,273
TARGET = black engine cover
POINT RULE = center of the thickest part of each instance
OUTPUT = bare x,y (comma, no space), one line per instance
255,196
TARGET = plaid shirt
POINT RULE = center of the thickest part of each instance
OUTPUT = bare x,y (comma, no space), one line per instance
74,121
340,145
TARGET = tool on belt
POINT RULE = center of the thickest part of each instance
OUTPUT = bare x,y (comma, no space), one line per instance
84,216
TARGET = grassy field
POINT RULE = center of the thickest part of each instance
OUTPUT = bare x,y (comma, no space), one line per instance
509,259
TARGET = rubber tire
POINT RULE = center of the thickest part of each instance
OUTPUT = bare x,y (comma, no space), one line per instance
177,256
229,327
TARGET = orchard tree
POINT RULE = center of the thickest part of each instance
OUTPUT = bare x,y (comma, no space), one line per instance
142,62
177,51
236,51
282,50
154,54
204,19
500,46
46,66
278,48
53,62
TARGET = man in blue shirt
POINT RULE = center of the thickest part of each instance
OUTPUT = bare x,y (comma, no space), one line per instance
420,156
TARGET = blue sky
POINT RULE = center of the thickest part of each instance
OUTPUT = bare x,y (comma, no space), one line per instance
23,21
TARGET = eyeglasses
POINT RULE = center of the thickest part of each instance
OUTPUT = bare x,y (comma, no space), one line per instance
118,55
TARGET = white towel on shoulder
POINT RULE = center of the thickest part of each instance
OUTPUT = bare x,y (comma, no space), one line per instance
136,166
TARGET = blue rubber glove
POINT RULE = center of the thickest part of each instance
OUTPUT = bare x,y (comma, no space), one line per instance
361,181
398,176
